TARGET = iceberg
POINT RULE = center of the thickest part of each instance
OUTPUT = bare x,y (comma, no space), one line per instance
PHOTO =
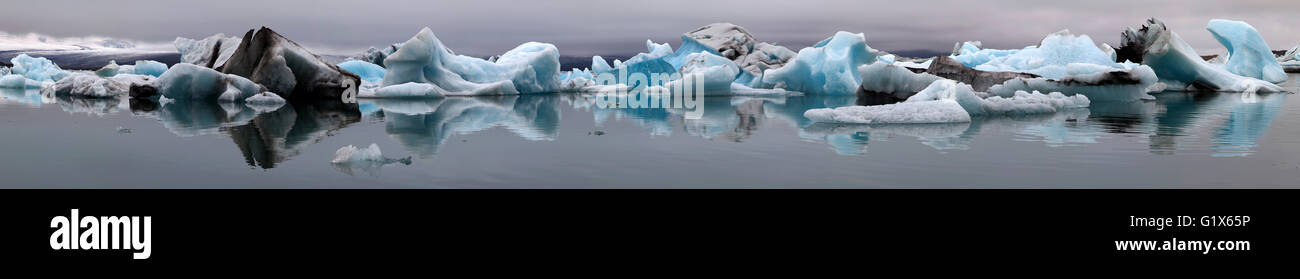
1178,66
407,90
286,68
108,70
1290,60
765,56
715,72
829,67
211,52
149,68
894,82
88,86
1051,57
39,69
950,68
352,154
529,68
377,55
1111,85
947,101
1248,54
971,54
368,72
190,82
18,82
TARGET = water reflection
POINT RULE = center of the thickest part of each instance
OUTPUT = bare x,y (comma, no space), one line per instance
273,137
422,126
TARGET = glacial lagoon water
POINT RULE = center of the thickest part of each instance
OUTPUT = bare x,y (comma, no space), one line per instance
563,140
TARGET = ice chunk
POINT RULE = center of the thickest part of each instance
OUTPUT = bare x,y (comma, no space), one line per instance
946,101
108,70
352,154
829,67
893,81
715,72
941,111
533,68
1114,85
725,39
377,55
264,102
149,68
1051,57
285,68
1248,54
971,55
39,69
423,59
18,81
765,56
87,85
1177,64
367,71
950,68
190,82
211,52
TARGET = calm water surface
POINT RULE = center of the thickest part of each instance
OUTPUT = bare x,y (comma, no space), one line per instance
564,140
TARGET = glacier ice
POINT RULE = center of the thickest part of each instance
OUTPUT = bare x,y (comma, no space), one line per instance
264,102
108,70
352,154
149,67
894,81
950,68
1051,57
765,56
87,85
407,90
947,101
830,67
211,52
36,68
368,72
1248,54
529,68
715,72
186,81
377,55
18,82
286,68
1291,60
971,54
1111,85
1178,66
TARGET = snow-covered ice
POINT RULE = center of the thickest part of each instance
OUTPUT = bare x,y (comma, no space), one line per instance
947,101
896,81
529,68
36,68
201,52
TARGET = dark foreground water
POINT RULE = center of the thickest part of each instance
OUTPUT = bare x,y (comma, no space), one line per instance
564,140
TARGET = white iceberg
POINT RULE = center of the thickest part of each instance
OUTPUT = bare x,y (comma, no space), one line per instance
1108,85
895,81
211,52
947,101
529,68
830,67
18,82
352,154
1248,54
109,70
1052,56
88,86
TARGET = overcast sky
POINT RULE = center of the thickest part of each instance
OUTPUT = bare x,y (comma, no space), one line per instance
485,27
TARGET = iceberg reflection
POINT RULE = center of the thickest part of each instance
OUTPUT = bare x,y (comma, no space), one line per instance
423,125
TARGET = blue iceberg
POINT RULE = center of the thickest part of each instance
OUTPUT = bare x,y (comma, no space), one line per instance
830,67
1248,54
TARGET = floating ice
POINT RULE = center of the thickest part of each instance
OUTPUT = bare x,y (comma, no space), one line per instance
264,102
1177,64
1052,56
407,90
367,71
1112,85
149,67
38,69
211,52
108,70
949,68
186,81
971,55
895,81
716,72
377,55
947,101
352,154
529,68
286,68
87,85
18,81
830,67
1248,54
